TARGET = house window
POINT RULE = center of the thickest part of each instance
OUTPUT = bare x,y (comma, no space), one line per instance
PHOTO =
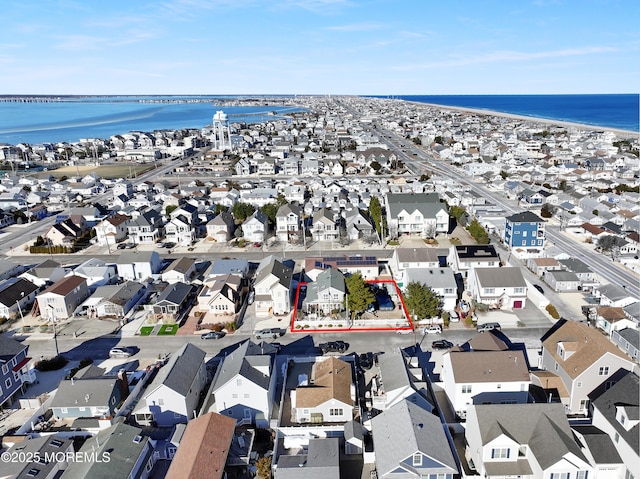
160,402
579,384
7,383
247,395
234,396
628,475
466,389
448,290
555,367
559,475
417,459
498,386
335,412
616,438
5,369
238,382
584,404
500,453
489,290
524,234
518,290
64,410
603,371
524,242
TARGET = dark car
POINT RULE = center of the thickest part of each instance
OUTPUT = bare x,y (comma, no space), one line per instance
441,344
333,347
168,244
213,335
539,288
366,360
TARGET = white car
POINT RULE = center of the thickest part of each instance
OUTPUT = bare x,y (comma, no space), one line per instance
435,329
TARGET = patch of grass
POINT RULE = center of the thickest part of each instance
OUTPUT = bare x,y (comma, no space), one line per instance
168,330
146,330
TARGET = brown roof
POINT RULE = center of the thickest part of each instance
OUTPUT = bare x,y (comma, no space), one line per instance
626,213
489,366
204,448
546,261
593,229
487,342
332,380
588,343
117,219
548,380
611,314
64,286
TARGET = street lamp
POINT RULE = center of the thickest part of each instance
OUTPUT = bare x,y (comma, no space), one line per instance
20,309
53,321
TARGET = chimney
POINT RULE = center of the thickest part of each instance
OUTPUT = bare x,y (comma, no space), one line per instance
124,383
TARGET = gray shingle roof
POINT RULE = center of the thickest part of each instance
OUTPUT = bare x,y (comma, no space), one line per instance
500,277
9,348
426,203
182,368
543,427
238,362
599,444
320,462
175,293
405,429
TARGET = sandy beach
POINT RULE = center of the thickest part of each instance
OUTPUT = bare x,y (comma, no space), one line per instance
541,121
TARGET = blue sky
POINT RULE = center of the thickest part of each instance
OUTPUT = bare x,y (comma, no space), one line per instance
381,47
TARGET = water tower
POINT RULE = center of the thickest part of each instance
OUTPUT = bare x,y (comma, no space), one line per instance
221,132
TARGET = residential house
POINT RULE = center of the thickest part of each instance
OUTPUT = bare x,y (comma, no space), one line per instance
204,448
221,295
181,269
288,222
399,379
440,280
256,227
358,225
90,393
173,300
114,301
484,377
130,455
525,440
501,288
367,266
243,387
325,294
410,442
421,214
47,272
13,369
173,395
64,233
588,279
324,226
610,319
272,285
628,339
221,227
96,272
614,295
540,265
180,231
329,397
562,280
15,295
615,412
54,448
145,227
463,258
111,230
138,265
583,359
9,269
321,459
524,231
405,258
60,300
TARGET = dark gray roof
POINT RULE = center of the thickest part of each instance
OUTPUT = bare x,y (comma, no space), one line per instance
125,445
599,444
630,335
175,293
623,394
614,292
563,275
276,268
90,392
477,252
9,348
405,429
179,372
240,363
633,310
525,217
543,427
31,448
575,265
322,461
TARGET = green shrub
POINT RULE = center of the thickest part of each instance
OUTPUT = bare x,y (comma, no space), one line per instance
53,364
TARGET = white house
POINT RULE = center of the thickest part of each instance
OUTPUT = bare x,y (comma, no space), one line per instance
421,214
138,266
502,288
272,286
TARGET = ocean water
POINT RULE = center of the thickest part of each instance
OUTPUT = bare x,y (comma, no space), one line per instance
612,111
101,117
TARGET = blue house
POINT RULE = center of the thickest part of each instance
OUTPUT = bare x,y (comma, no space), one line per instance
525,231
13,362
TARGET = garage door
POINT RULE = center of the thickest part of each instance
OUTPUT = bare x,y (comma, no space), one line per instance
517,305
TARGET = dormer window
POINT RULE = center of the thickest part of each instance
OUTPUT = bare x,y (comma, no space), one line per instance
417,459
560,350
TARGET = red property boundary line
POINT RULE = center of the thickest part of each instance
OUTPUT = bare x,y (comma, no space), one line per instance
351,330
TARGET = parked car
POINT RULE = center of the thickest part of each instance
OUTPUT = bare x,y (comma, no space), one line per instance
366,360
404,331
441,344
213,335
120,352
269,333
168,244
333,347
481,328
539,288
453,317
435,329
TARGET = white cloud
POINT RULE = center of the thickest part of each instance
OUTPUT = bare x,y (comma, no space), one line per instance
356,27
